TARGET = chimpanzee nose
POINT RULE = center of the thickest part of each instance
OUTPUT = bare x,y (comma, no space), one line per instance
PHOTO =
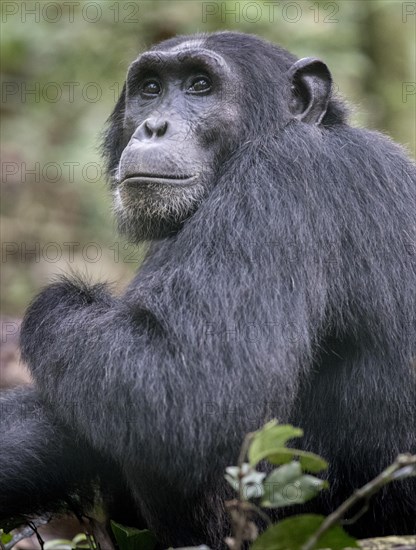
151,128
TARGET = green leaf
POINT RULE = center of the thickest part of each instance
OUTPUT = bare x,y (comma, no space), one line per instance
81,537
79,541
130,538
270,440
292,534
5,537
58,544
270,443
309,462
287,485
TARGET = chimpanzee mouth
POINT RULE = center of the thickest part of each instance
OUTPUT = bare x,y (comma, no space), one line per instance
135,179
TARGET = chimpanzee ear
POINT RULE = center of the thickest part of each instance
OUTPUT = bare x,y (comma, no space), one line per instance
311,90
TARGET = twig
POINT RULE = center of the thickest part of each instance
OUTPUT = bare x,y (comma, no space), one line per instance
240,525
25,532
244,449
403,461
35,530
242,507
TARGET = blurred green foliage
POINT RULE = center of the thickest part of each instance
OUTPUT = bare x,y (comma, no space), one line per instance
63,64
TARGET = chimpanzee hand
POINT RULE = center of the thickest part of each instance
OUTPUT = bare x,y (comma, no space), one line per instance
58,308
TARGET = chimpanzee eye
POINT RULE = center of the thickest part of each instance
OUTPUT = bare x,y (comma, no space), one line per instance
199,84
151,88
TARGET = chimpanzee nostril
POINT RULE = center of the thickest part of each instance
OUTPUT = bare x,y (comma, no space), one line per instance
147,129
155,127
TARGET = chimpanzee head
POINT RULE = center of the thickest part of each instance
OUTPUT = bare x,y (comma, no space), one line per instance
186,107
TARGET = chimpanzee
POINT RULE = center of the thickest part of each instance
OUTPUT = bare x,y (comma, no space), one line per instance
280,283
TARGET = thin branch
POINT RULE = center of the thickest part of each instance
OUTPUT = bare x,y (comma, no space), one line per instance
403,461
244,449
25,532
35,530
239,519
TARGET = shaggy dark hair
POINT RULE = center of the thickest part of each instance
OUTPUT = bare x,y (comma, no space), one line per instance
290,293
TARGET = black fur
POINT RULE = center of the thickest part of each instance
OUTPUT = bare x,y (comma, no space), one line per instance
290,293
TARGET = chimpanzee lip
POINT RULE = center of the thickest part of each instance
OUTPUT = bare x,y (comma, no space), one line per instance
132,179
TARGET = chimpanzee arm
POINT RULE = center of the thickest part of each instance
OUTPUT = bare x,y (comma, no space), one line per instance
114,372
41,462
